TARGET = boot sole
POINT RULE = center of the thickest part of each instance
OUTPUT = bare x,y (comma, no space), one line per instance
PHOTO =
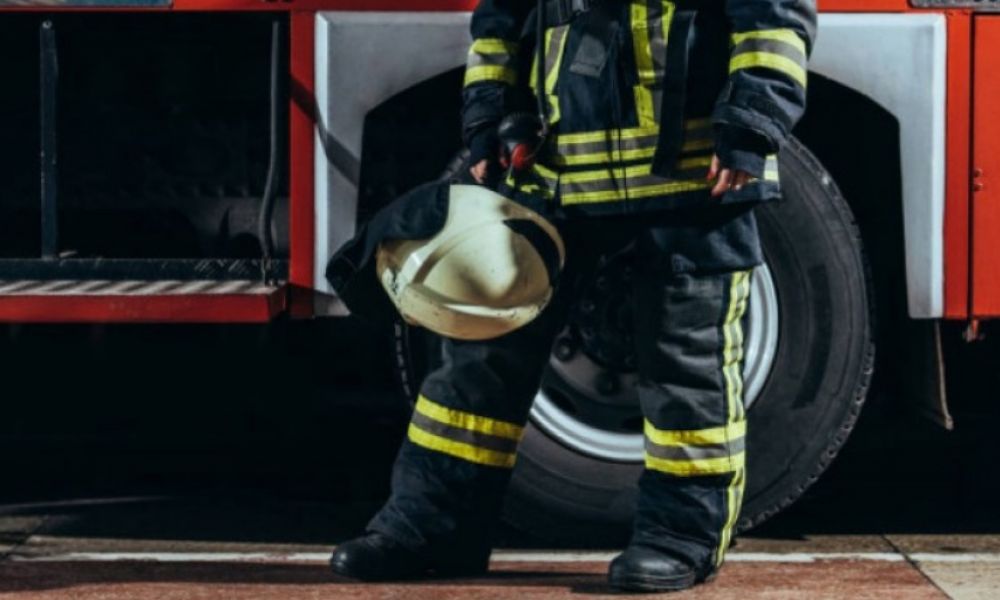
651,584
344,570
449,572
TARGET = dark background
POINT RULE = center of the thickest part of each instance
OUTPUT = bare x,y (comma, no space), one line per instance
300,421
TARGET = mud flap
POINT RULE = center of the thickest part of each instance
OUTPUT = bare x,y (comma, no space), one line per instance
925,383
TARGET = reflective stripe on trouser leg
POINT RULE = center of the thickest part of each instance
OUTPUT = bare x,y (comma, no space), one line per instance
733,336
452,471
690,357
470,437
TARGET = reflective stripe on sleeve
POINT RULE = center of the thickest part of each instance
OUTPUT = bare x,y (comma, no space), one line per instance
771,168
780,50
491,59
463,435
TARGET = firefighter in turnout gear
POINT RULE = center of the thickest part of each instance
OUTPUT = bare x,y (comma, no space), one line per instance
662,121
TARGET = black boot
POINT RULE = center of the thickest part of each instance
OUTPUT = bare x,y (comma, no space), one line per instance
377,557
642,569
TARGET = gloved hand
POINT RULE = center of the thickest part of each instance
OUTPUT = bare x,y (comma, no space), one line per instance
740,157
484,149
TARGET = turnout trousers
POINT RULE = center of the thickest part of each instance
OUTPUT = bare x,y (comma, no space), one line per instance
691,287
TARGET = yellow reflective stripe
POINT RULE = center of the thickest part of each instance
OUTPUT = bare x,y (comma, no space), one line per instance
640,42
628,172
555,49
691,163
545,171
602,174
493,46
635,193
560,35
645,106
650,36
687,468
787,36
469,421
706,144
491,59
615,155
739,294
732,331
695,437
771,171
490,73
589,137
461,450
734,501
768,60
645,110
606,157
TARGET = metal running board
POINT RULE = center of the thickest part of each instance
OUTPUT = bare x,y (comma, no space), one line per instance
89,287
140,301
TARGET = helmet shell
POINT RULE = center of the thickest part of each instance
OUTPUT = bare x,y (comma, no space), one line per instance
480,277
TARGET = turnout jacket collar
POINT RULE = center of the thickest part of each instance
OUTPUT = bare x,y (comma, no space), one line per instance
641,94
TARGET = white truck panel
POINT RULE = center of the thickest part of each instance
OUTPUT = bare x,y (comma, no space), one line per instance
365,58
899,61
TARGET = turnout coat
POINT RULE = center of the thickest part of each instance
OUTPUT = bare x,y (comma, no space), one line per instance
640,94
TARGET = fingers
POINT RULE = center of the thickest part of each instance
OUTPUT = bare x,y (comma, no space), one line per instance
713,171
726,179
479,171
742,178
723,183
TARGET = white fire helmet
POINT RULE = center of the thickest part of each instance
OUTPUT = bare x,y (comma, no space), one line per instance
488,272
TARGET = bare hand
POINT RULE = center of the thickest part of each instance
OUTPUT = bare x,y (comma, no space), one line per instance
480,170
726,179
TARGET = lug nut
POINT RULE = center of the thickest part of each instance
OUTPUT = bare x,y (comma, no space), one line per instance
588,306
565,349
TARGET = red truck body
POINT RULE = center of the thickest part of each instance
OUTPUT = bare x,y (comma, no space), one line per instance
972,249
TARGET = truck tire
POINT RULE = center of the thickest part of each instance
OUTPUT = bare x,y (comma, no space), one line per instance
810,358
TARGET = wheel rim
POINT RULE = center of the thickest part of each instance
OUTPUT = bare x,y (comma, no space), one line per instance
587,400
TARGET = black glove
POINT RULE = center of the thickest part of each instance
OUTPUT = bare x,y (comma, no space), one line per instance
484,145
741,149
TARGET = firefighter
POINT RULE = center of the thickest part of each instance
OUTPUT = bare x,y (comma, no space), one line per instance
661,122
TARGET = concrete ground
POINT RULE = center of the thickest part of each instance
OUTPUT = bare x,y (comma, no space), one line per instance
151,548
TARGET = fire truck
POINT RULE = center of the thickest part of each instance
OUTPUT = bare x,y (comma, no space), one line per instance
199,161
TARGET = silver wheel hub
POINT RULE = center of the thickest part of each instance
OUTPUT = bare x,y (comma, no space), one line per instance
587,400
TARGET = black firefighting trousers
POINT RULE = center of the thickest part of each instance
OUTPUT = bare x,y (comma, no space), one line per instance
691,287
